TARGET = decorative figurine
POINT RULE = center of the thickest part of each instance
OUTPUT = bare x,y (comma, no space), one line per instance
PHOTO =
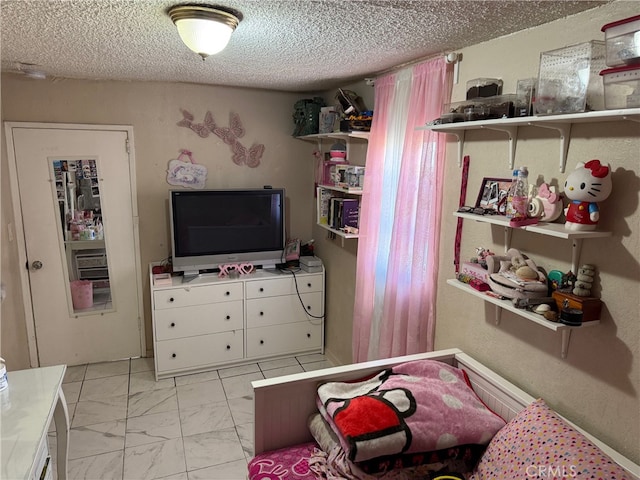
547,204
584,280
589,183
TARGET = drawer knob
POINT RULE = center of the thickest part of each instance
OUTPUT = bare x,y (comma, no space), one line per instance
308,307
173,355
173,324
261,342
309,285
227,293
171,299
308,335
228,317
261,314
261,289
228,347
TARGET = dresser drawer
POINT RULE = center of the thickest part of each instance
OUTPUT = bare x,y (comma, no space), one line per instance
283,339
198,320
199,351
284,285
187,296
262,312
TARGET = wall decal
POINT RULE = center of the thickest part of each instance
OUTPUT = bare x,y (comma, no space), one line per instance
186,173
229,135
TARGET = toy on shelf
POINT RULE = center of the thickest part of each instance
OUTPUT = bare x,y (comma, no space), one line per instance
584,281
589,183
546,204
516,276
481,256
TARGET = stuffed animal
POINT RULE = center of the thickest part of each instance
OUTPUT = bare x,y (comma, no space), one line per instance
589,183
514,275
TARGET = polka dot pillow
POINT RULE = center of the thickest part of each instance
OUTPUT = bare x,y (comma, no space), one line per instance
537,444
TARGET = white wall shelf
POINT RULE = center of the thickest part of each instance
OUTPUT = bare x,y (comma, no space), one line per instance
565,330
343,191
561,123
549,229
348,137
349,190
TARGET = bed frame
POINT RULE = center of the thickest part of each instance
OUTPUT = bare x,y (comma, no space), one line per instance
282,405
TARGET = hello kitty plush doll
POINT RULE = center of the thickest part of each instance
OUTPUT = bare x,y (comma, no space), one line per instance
589,183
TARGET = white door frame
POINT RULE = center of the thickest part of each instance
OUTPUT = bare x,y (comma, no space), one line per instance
19,224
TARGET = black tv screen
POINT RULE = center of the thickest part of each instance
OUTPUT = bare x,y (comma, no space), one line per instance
214,227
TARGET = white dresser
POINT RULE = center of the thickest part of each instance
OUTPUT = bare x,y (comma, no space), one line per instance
211,322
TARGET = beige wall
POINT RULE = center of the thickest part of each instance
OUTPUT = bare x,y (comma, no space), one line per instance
597,385
153,110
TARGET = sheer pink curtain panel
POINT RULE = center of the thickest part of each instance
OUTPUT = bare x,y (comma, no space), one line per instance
394,311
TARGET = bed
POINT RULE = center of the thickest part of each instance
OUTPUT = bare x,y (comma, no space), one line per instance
284,446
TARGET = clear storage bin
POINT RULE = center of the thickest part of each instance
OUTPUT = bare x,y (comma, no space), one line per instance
621,87
569,81
622,39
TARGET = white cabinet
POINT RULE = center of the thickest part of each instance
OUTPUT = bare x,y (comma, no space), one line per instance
211,322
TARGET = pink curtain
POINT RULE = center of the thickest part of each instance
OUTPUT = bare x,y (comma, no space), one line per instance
394,312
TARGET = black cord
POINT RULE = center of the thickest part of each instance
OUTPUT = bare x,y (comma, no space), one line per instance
295,281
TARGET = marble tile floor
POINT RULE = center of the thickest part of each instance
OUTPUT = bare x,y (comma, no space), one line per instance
126,426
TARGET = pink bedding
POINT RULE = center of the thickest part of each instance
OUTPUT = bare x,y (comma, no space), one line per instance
291,463
415,407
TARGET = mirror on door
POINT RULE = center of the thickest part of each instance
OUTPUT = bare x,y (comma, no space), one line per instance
83,231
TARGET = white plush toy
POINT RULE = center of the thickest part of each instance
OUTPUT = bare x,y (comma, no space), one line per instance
589,183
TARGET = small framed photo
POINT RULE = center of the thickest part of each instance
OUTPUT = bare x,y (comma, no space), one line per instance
493,194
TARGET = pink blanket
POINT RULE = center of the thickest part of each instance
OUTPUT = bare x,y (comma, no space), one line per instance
415,407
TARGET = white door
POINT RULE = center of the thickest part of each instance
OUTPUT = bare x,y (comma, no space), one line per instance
75,194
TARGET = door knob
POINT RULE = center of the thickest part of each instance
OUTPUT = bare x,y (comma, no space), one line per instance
37,265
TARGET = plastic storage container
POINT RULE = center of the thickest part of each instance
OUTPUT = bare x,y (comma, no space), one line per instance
569,81
483,87
621,87
525,96
622,40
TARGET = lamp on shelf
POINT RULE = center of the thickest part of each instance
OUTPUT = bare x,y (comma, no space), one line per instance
205,30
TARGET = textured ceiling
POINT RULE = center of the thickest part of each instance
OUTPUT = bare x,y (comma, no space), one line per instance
289,45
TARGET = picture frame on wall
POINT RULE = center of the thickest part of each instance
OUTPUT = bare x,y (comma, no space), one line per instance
493,194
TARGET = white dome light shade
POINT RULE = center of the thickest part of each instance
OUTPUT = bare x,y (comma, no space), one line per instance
205,30
205,37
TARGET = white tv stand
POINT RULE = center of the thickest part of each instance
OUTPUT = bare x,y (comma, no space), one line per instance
210,322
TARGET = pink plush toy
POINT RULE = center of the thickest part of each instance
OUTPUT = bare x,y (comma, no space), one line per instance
589,183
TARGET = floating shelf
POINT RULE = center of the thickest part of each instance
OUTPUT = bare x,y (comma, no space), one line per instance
542,228
561,123
549,229
339,233
338,135
349,190
565,330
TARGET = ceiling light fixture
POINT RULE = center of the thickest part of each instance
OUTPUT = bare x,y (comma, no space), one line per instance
205,30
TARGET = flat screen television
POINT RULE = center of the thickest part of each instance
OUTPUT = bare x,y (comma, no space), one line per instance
210,228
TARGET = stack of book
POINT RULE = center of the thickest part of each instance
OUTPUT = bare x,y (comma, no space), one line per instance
343,212
337,212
